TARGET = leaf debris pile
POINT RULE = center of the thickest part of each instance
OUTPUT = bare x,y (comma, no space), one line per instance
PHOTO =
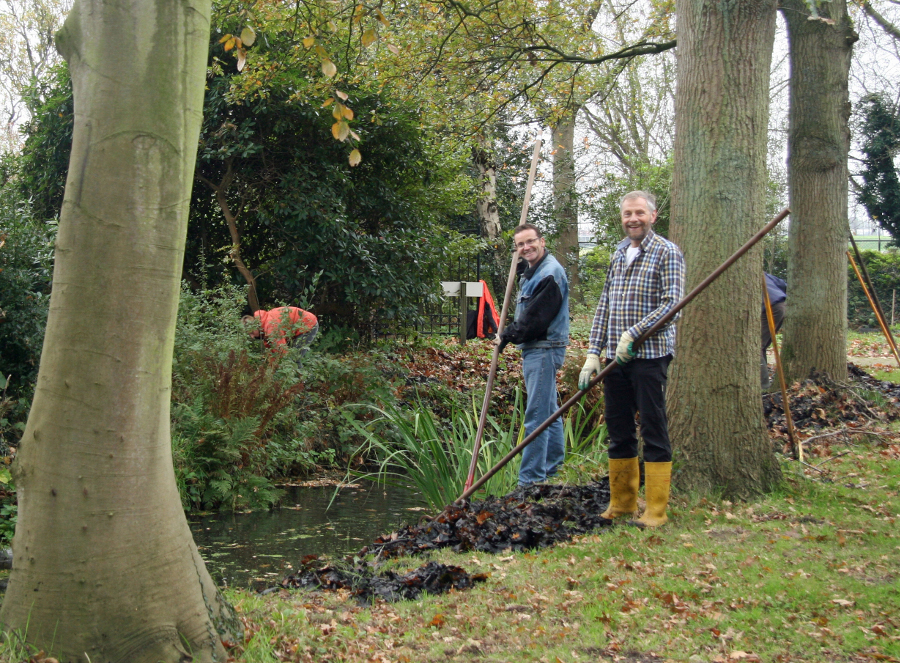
433,577
818,403
535,516
529,517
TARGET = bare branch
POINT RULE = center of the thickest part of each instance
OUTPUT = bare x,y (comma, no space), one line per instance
885,24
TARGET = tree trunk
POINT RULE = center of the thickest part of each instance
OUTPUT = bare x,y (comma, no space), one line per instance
220,191
565,199
105,568
486,205
721,111
815,327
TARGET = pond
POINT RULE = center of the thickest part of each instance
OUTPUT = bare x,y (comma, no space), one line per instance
253,549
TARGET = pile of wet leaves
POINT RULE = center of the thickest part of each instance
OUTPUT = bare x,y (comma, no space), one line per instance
433,577
530,517
818,403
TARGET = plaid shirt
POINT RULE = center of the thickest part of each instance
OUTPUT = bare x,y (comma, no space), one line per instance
635,296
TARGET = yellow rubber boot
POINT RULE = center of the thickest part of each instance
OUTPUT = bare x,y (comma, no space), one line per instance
624,479
657,479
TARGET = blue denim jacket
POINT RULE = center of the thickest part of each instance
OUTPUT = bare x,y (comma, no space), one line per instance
556,333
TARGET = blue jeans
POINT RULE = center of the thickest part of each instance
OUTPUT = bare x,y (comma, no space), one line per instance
544,456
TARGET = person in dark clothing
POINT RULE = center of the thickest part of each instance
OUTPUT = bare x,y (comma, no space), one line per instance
541,330
777,296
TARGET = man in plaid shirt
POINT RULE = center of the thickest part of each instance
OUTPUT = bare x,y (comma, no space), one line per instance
645,281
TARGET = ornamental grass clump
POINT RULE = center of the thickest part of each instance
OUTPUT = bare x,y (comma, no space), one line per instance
416,449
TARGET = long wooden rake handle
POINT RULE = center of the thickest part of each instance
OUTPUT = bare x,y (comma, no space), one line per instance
476,448
662,322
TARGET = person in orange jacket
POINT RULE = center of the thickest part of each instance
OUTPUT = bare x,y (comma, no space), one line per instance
284,325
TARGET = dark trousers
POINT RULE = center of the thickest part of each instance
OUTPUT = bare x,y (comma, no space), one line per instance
638,386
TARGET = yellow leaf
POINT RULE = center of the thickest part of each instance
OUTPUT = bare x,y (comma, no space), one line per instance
382,18
355,158
368,37
354,135
328,102
341,95
347,112
229,44
337,114
393,49
340,130
329,69
238,43
242,58
248,36
309,41
224,39
321,52
331,26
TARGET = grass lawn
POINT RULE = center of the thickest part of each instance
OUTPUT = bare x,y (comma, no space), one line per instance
809,574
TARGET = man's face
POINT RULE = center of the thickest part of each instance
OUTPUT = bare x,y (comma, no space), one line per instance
637,219
529,246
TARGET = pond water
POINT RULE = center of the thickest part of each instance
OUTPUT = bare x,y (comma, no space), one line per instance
250,549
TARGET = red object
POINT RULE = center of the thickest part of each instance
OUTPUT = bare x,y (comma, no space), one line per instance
280,322
495,319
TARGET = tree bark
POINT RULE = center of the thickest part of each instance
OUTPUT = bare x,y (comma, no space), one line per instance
717,427
486,205
105,568
565,199
815,327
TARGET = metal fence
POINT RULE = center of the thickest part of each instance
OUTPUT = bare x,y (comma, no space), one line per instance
443,318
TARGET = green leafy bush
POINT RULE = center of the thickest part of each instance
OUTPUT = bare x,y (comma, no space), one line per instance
26,258
234,411
884,270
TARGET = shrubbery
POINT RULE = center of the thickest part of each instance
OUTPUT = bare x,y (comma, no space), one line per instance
26,254
884,270
242,417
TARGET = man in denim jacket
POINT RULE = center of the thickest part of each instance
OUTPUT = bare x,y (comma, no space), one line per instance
541,330
645,281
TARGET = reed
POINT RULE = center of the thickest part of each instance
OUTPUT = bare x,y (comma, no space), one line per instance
416,449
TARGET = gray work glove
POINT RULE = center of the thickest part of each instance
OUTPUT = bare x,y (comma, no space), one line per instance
589,370
624,353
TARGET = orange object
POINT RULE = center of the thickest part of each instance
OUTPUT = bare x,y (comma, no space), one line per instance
495,319
284,322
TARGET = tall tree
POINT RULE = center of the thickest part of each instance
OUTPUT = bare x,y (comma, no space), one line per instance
565,198
815,326
105,565
26,41
718,202
880,190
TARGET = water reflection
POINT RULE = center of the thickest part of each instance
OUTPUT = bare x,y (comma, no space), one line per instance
245,549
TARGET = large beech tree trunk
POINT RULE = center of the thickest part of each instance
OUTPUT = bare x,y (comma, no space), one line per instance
815,327
565,199
105,568
716,421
